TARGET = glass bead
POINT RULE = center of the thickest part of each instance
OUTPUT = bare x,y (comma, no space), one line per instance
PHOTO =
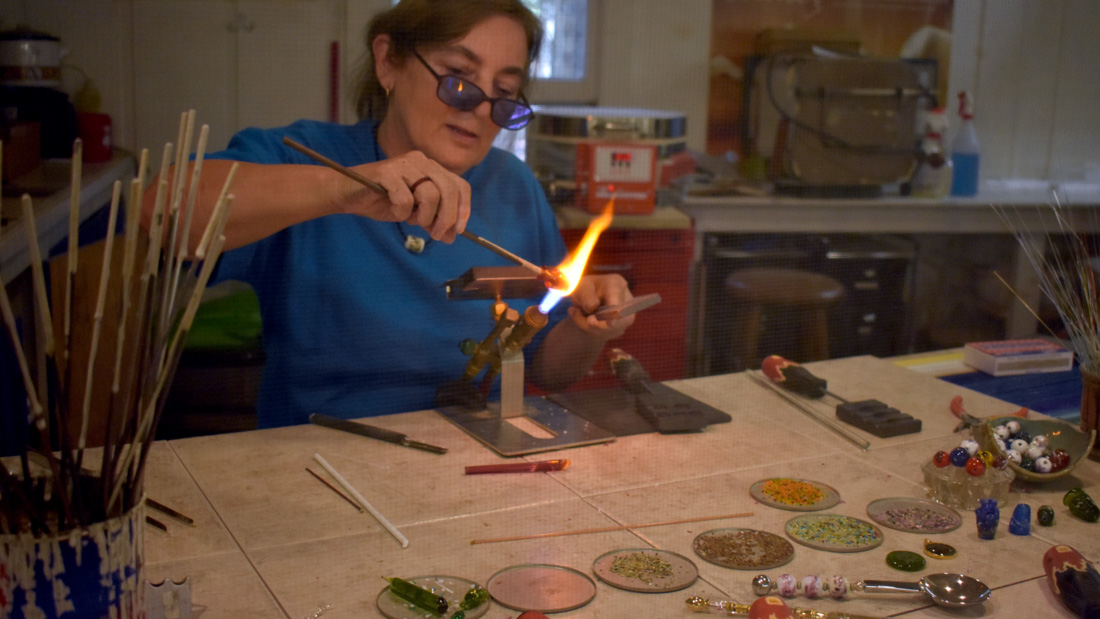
970,445
1019,444
1045,516
1042,441
985,457
1081,505
1023,435
1002,445
787,586
987,516
1020,524
812,587
839,588
1014,456
941,459
959,456
975,467
1027,463
905,561
1035,452
1013,426
1060,459
999,461
1001,432
1043,464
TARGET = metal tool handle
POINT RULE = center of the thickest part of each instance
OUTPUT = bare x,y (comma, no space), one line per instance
891,586
356,428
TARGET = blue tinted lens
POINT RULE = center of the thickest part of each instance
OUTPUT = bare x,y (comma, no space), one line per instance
465,95
511,114
459,93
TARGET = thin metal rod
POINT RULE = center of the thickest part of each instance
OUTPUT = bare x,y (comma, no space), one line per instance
497,249
359,178
348,172
336,490
606,529
161,507
805,408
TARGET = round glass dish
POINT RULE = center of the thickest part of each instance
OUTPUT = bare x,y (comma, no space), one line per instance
834,532
452,588
743,549
798,495
541,587
914,515
645,570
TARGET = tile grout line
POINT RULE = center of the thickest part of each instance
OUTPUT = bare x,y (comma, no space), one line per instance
232,536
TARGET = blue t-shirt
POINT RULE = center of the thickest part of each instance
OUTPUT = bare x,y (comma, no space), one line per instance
354,324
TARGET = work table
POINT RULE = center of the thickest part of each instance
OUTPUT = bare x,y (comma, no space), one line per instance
270,540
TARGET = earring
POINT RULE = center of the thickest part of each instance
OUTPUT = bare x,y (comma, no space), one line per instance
387,91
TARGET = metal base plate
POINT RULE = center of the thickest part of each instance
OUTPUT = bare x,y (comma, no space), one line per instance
506,439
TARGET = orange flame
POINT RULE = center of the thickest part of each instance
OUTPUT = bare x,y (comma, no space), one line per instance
573,266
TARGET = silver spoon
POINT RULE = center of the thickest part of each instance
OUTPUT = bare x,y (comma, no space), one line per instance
950,590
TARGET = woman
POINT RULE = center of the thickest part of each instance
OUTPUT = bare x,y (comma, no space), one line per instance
356,323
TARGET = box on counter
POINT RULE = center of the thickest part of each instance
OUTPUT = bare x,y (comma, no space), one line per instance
1011,357
626,171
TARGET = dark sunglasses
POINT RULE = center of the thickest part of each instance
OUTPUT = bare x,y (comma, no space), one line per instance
464,95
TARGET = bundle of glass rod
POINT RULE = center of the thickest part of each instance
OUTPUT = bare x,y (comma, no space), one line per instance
59,482
1065,270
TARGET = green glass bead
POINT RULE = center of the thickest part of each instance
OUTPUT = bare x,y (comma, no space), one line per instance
476,596
1045,515
905,561
1081,505
467,347
417,595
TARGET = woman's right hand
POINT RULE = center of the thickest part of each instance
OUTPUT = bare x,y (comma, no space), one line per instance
440,205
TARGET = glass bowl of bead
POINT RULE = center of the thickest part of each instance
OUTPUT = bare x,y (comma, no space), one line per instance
963,475
1038,450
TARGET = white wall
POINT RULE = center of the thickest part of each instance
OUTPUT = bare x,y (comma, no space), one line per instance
654,54
1034,69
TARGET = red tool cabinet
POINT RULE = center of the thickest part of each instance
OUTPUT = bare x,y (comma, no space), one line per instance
651,260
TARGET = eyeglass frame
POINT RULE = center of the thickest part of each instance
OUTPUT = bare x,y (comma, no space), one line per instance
519,101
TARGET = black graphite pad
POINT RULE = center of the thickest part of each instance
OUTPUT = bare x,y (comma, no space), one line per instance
660,409
877,418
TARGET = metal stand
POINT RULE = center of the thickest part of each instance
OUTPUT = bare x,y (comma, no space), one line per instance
492,426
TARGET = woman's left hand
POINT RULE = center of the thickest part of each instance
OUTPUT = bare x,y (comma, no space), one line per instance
593,292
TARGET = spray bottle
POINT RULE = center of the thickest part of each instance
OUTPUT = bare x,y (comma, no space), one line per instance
933,176
966,152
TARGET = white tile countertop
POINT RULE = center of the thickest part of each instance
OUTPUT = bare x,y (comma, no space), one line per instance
270,540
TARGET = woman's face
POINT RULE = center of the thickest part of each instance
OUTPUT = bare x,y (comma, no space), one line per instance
492,55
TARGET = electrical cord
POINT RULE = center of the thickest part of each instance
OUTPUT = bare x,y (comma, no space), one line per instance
826,137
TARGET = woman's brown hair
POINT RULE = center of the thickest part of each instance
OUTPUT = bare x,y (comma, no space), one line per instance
413,23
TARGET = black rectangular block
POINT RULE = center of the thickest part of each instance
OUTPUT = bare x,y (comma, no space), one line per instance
877,418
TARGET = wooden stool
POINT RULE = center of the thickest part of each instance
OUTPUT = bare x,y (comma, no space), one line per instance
809,294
